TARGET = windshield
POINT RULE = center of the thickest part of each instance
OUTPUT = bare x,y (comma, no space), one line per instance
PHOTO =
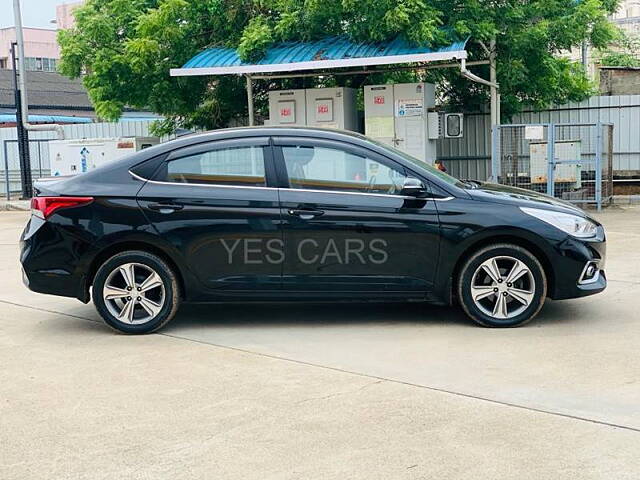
424,165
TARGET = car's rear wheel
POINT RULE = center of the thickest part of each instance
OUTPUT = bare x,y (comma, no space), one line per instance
502,285
136,292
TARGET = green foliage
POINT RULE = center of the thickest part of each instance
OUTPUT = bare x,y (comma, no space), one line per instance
124,49
256,38
620,59
624,52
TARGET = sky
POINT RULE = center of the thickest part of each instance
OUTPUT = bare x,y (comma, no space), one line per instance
35,13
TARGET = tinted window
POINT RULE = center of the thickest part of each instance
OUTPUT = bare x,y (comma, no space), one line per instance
223,166
320,168
419,163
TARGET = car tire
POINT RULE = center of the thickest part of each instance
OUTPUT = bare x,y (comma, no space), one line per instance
502,285
136,292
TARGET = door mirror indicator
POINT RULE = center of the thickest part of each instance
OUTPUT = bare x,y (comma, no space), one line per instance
412,187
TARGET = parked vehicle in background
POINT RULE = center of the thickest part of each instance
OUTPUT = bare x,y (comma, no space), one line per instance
301,214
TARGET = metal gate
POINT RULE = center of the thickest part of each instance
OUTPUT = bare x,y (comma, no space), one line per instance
571,161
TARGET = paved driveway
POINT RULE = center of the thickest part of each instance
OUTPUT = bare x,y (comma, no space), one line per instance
323,391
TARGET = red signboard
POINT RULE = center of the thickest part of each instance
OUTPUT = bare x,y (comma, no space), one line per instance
285,112
378,100
323,108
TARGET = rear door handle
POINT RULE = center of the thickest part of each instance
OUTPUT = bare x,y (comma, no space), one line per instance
165,207
305,214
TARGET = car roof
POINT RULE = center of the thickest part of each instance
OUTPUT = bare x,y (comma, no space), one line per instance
239,132
126,163
260,131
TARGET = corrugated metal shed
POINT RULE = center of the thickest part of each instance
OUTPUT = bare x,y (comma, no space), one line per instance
330,52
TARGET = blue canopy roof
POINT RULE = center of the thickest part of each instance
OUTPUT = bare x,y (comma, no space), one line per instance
11,118
330,52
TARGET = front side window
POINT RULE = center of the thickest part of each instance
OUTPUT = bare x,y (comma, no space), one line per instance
332,169
242,166
419,163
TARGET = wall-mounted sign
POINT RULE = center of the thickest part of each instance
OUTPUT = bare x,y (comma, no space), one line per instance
287,111
324,110
534,132
409,107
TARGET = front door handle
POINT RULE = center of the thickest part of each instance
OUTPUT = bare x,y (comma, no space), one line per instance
305,214
165,207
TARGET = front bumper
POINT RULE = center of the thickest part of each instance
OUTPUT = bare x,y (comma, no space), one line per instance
572,258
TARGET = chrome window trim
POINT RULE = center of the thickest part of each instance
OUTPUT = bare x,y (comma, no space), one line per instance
216,185
386,195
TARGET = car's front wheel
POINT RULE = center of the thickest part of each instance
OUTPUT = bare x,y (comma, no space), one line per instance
502,285
135,292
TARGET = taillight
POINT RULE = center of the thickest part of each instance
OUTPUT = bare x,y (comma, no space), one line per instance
43,207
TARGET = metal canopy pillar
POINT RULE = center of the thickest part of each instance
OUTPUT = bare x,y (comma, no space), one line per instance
493,78
250,100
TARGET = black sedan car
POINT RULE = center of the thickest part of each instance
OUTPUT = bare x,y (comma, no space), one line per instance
264,214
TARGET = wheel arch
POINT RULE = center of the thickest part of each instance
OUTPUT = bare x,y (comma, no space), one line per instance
510,238
126,245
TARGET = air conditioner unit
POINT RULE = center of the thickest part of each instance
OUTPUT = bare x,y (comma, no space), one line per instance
452,125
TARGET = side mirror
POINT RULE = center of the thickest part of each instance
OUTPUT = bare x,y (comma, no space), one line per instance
412,187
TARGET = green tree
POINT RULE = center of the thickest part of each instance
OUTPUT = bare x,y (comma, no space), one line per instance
124,49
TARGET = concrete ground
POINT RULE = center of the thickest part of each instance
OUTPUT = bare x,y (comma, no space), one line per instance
318,391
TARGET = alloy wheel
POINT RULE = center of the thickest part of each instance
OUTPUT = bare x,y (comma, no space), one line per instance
503,287
134,293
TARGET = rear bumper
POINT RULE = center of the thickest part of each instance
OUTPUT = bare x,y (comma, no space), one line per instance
50,258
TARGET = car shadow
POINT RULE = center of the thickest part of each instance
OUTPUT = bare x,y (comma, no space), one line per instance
317,314
250,315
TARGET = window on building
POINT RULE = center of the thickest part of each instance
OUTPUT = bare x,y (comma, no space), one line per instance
40,64
30,63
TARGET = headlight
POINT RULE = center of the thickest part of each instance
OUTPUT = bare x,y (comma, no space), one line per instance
572,224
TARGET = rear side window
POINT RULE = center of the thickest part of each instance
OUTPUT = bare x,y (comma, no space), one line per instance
243,166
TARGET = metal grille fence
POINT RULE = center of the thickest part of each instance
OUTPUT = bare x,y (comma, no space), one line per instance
10,168
573,162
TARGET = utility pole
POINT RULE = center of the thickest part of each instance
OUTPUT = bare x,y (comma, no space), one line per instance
23,134
22,105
